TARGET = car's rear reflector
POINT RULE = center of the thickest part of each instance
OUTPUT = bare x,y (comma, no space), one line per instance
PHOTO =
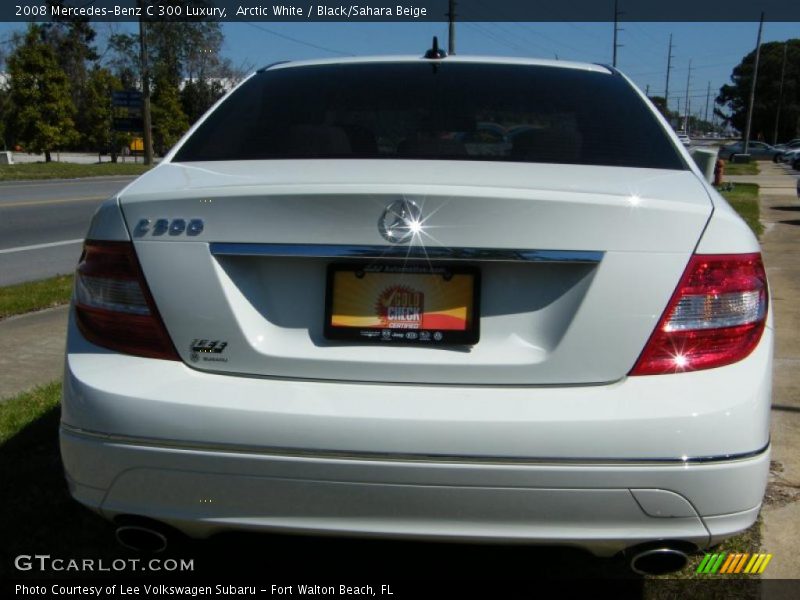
715,317
113,306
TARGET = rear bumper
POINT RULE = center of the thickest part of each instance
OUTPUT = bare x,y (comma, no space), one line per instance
602,508
602,467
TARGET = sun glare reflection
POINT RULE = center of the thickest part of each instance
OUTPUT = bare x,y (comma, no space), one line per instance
680,361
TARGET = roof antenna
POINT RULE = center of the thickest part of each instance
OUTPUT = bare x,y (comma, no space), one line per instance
435,51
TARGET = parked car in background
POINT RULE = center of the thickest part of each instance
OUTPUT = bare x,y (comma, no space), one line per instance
439,297
790,144
790,156
786,149
757,150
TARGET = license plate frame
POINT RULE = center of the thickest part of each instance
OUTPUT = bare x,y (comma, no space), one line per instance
397,275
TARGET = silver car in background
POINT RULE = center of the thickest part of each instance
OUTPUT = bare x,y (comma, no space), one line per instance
424,297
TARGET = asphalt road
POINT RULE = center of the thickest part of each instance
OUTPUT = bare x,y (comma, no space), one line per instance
42,224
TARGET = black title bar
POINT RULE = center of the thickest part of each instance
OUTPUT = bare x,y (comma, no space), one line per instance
401,10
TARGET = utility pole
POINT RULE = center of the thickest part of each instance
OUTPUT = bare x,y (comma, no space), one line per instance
780,94
669,68
647,90
451,17
753,87
686,108
147,123
708,98
617,15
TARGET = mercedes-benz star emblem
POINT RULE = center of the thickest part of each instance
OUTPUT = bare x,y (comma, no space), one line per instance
400,220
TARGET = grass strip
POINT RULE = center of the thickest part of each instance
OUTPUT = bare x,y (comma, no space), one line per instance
20,411
35,295
744,200
749,168
63,170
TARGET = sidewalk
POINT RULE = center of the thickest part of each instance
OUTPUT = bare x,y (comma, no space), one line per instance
33,350
780,243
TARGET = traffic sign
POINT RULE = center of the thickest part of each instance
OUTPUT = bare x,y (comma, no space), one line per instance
127,124
127,98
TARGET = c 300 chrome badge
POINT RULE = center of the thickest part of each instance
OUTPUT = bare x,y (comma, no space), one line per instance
400,221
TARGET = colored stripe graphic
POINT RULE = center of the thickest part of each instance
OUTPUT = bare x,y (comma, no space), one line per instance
742,560
710,564
718,564
701,567
724,563
727,564
749,566
764,564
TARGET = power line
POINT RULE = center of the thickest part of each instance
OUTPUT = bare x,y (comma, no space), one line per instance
297,40
484,31
561,43
526,40
694,68
644,44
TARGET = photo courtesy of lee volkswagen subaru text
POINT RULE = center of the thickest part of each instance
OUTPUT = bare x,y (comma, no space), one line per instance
427,297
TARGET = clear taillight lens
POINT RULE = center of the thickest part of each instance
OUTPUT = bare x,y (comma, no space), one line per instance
715,317
113,306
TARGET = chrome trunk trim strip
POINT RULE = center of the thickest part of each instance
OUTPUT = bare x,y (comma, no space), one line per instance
405,252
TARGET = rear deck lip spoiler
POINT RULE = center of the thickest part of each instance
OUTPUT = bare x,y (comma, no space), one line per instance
405,252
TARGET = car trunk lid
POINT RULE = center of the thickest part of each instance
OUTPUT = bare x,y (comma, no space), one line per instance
576,263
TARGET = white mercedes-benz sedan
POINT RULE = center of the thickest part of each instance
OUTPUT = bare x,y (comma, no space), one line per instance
441,297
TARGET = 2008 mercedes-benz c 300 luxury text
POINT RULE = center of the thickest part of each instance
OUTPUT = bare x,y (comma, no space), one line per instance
457,298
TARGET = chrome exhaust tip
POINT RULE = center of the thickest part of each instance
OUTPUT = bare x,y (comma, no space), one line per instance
141,538
658,561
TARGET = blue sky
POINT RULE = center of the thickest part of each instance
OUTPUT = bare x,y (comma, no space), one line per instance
714,48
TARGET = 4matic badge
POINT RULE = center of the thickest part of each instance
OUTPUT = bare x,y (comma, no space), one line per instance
207,350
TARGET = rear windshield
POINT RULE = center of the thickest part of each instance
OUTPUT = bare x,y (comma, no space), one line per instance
448,111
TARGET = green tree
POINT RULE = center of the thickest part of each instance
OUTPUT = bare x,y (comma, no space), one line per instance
41,104
198,95
660,103
185,64
123,49
99,118
73,43
4,102
169,120
734,98
72,39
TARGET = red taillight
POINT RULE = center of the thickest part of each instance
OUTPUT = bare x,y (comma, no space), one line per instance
113,306
715,317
